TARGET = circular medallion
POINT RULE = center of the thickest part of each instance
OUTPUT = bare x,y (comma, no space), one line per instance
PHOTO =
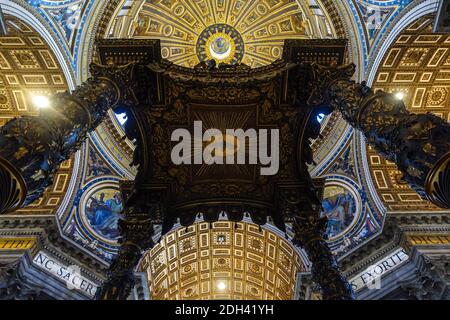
222,43
437,96
341,206
100,210
3,99
220,46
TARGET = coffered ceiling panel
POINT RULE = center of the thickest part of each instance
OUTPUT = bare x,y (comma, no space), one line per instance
29,68
222,261
254,30
417,69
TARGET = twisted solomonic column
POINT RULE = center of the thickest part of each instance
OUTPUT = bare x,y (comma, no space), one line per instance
418,143
137,231
31,148
310,233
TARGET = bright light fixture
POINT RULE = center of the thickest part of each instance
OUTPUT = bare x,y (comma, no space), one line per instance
400,95
41,102
220,48
320,117
122,118
221,285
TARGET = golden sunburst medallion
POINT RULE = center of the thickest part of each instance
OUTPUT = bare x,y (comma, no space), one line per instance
220,47
222,43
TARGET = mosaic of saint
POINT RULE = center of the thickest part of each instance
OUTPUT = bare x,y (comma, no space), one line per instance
103,210
339,206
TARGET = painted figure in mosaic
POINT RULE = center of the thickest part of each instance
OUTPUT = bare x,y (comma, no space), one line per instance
340,210
105,213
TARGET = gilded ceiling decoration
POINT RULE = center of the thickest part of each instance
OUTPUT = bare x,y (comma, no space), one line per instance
222,261
222,43
417,68
225,260
252,32
28,67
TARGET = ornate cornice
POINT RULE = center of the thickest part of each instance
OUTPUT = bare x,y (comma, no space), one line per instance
396,226
45,229
373,250
223,74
